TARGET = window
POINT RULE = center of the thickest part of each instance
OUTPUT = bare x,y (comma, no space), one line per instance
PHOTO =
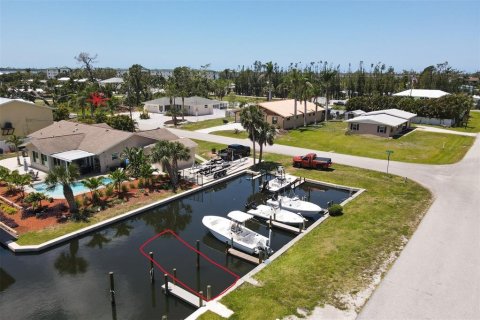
115,156
35,156
354,126
44,159
274,120
288,119
57,162
381,129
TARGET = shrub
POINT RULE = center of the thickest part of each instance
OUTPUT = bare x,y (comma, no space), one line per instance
100,193
335,210
7,209
50,200
109,190
214,150
132,185
124,188
140,183
144,115
225,121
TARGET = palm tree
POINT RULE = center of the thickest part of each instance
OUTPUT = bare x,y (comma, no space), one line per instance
17,181
168,153
64,176
305,93
326,77
136,159
251,118
118,176
35,198
265,135
16,141
146,172
269,70
93,184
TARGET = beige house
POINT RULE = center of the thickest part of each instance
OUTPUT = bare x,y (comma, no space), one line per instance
93,148
383,123
281,113
20,118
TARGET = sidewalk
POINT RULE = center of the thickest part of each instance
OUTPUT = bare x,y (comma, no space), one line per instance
439,130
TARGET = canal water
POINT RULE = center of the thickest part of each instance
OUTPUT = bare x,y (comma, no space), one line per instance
71,281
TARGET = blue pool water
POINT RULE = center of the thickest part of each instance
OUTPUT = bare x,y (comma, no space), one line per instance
77,187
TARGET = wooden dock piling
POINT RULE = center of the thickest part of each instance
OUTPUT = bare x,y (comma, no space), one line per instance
209,292
112,288
198,254
165,277
152,270
200,300
174,275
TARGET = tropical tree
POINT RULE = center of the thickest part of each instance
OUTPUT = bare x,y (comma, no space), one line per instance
18,182
146,173
64,176
93,184
327,77
118,176
35,198
122,122
87,60
251,119
265,135
113,104
168,153
268,73
15,141
136,159
183,83
4,173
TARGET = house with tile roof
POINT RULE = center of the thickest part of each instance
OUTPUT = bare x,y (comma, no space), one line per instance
93,148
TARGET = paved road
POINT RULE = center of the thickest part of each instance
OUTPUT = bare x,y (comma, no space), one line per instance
437,275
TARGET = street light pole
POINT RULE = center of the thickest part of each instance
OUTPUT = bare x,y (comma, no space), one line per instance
389,152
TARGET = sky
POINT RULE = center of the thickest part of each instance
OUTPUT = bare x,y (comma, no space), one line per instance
408,35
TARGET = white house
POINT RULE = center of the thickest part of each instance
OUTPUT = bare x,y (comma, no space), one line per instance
384,123
193,105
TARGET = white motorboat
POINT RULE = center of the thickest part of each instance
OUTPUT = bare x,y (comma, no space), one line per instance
295,204
276,214
236,234
281,181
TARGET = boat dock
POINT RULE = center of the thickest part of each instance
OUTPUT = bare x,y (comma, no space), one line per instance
286,227
243,256
184,295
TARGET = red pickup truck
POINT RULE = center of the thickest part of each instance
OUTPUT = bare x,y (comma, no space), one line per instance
311,161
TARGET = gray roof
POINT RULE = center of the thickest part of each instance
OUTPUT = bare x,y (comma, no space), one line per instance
189,101
66,135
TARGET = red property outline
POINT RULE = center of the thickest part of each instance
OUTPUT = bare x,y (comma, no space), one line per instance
142,251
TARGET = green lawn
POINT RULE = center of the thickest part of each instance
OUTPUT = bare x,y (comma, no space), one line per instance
192,126
231,134
417,147
342,254
473,125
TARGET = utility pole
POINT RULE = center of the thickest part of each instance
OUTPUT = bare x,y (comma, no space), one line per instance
389,152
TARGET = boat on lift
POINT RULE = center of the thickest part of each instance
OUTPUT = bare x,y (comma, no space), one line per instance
276,214
236,234
281,181
297,205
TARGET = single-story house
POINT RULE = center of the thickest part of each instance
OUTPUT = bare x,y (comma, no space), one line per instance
421,93
193,106
281,113
19,117
93,148
384,123
353,114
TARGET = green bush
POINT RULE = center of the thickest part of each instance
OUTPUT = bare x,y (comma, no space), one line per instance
335,210
109,190
141,184
132,185
7,209
144,115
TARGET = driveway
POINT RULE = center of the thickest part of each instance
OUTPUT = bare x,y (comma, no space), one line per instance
437,275
228,126
157,120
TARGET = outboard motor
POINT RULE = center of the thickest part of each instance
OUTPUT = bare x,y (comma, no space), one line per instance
265,184
251,205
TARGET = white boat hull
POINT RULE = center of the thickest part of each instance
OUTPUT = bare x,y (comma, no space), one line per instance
243,239
277,214
305,208
280,183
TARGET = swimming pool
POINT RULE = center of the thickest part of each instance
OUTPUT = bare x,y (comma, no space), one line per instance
77,188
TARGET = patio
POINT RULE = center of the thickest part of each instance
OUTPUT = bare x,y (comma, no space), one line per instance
11,164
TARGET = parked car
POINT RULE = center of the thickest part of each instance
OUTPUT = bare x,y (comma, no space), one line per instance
311,161
234,151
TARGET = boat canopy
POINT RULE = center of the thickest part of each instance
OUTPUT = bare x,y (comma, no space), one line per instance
239,216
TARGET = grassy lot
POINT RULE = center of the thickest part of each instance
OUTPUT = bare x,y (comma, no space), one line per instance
417,147
473,125
205,124
341,255
232,134
37,237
